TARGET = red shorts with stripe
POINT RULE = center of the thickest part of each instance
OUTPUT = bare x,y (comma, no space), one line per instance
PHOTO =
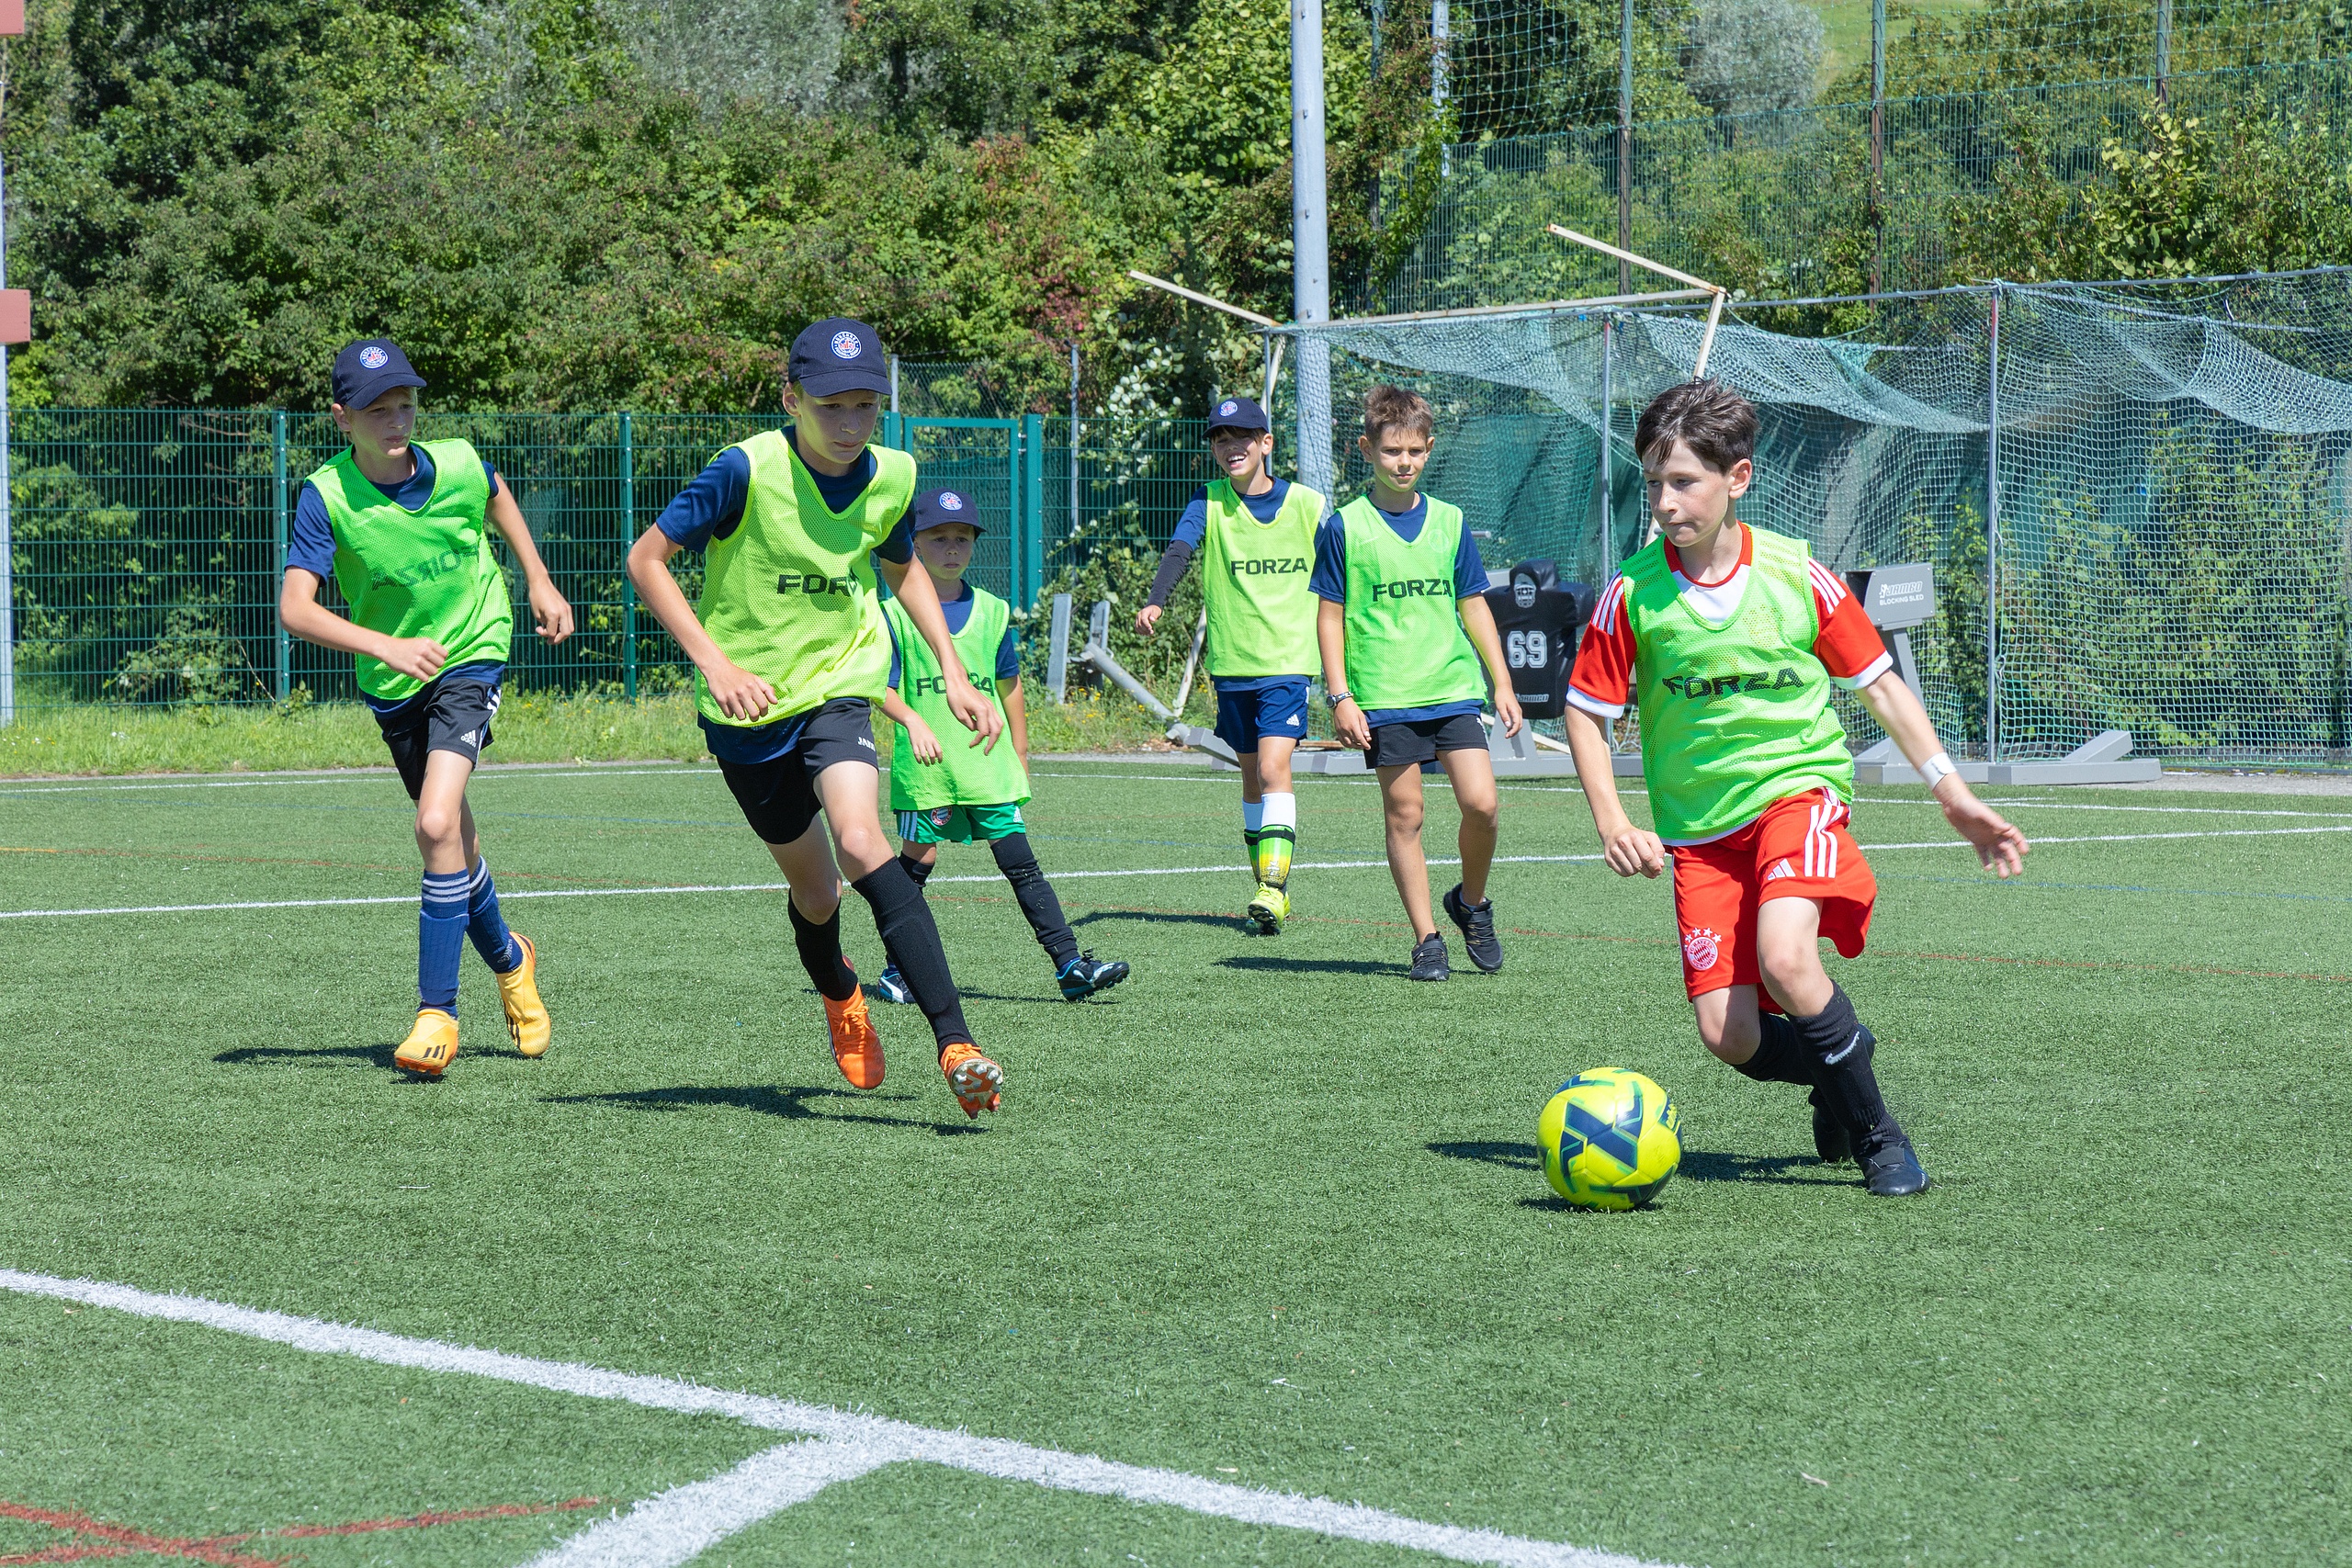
1798,848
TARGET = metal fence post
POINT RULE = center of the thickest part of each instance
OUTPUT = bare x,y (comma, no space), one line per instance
1993,531
1031,532
629,538
2164,53
1625,141
1878,145
1607,554
277,518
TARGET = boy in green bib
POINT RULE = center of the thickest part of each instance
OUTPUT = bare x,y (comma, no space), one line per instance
791,651
1255,536
959,794
1728,639
404,527
1408,650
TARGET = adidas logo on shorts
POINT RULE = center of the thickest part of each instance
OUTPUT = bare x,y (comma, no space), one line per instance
1780,868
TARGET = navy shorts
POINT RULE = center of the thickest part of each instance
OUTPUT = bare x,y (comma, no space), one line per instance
1276,711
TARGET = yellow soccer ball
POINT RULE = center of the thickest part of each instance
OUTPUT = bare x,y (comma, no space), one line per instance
1609,1139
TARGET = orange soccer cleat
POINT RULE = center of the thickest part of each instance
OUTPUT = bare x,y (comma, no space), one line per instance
973,1077
858,1048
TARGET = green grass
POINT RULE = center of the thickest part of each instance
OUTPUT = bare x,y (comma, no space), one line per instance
533,726
2100,1338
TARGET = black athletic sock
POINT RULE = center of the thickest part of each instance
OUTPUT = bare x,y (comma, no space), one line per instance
911,939
1019,863
1841,1049
820,953
918,869
1779,1054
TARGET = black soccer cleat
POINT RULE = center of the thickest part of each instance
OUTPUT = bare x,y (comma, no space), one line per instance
1430,961
1892,1169
1478,928
1085,974
1829,1139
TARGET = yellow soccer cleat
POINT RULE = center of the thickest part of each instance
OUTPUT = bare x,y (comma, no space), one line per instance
431,1045
518,992
1268,909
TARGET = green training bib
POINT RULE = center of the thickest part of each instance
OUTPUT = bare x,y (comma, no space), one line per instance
1735,716
965,776
1253,578
1406,645
788,594
423,573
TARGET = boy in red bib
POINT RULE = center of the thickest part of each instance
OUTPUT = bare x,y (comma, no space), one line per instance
1728,639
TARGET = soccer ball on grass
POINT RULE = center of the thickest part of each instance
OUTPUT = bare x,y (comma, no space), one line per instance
1609,1139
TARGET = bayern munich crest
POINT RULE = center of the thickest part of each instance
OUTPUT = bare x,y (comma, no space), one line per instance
845,344
950,501
1700,949
373,357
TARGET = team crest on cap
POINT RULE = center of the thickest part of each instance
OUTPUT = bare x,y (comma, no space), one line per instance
845,344
950,501
1228,406
373,357
1701,948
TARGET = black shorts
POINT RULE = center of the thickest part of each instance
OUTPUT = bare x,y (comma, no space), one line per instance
451,714
1420,740
779,795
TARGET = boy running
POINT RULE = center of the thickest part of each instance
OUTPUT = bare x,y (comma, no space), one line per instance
400,524
954,797
1255,536
1404,626
1729,638
786,675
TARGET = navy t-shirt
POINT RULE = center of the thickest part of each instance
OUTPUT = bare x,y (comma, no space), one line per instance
309,541
959,612
1193,531
1330,581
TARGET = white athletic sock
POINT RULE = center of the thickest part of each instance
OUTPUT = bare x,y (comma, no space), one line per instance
1278,811
1253,815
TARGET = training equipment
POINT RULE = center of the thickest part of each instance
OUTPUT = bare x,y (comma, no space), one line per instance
973,1077
1478,928
1539,619
857,1046
1085,974
892,986
431,1045
1609,1139
1429,960
1892,1169
1269,908
518,992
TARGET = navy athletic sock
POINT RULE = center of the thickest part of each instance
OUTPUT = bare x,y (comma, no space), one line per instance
1841,1049
918,869
440,938
820,953
911,939
1779,1054
1019,863
485,925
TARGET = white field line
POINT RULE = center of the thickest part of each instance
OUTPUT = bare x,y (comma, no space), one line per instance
374,777
871,1439
678,1526
1077,876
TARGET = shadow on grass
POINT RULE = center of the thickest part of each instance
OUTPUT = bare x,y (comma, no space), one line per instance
789,1103
1269,962
1698,1165
1517,1156
1158,917
371,1055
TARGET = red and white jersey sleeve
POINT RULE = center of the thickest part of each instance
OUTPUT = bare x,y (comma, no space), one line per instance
1847,645
1602,680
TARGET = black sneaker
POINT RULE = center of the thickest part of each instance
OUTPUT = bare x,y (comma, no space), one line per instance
1829,1139
1890,1169
1478,929
1085,974
1429,959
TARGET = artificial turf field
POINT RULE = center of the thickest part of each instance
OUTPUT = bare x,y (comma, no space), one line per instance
1265,1217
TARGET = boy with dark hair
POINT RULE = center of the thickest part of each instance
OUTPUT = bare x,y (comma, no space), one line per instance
1255,536
790,653
1404,628
404,527
1729,639
958,795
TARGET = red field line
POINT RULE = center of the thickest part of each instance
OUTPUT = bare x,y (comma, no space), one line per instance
121,1541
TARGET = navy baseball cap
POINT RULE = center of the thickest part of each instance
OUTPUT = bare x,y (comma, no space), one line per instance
838,354
1238,413
935,507
366,370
